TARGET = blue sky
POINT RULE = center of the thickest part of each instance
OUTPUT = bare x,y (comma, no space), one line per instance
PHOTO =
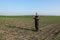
29,7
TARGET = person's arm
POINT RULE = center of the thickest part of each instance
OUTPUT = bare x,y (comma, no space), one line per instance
38,17
33,17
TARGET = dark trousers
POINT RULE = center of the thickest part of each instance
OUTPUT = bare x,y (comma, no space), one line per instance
36,25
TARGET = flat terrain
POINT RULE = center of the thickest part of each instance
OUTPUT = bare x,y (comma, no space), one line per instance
22,28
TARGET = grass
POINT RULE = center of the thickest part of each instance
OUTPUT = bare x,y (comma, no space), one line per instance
58,37
22,27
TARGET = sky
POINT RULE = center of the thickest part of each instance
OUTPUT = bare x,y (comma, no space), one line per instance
30,7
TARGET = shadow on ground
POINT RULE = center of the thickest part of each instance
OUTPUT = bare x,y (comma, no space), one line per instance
20,28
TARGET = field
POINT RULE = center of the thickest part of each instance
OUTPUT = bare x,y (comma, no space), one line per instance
22,28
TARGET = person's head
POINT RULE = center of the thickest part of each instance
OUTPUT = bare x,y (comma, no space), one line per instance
36,14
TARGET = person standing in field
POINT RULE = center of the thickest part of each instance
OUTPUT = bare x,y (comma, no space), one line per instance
36,19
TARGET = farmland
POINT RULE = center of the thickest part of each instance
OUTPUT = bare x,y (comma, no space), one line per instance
22,28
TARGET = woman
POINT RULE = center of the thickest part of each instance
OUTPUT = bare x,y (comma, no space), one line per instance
36,19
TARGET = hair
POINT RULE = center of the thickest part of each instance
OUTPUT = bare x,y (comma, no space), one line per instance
36,14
